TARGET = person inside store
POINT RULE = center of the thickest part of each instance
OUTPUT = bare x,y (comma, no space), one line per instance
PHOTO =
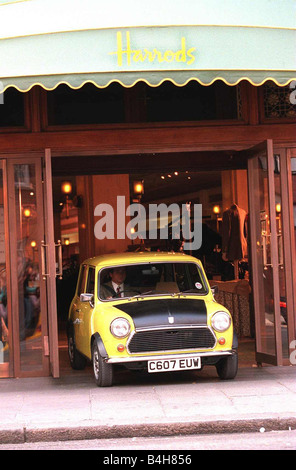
31,298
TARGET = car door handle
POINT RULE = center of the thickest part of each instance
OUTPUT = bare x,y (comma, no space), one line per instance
78,310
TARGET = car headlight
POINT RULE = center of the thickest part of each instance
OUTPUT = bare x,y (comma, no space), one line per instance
120,327
221,321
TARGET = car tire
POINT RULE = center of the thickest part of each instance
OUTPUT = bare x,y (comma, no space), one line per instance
77,361
103,372
228,366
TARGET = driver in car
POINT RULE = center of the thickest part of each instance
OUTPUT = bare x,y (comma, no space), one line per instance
115,287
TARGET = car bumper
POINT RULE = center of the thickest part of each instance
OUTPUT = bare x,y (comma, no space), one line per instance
122,360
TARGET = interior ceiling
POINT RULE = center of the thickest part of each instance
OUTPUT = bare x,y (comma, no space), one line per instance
203,168
158,185
164,185
148,163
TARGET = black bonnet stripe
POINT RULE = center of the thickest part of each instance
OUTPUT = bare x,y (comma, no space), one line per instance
153,313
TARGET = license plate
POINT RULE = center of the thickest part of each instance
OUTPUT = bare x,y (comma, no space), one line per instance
167,365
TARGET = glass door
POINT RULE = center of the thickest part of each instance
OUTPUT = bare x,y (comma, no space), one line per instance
51,265
291,296
33,268
268,259
6,369
284,224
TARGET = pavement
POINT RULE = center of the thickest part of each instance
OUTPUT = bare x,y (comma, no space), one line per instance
141,404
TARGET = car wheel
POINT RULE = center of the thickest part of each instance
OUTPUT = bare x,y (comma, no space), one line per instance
228,366
103,372
77,361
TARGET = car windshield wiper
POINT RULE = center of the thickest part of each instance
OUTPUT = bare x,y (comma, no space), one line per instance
188,291
139,296
172,294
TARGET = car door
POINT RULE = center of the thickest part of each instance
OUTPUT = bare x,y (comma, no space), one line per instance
87,309
77,307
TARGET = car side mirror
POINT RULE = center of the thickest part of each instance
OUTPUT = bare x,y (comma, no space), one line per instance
87,298
214,290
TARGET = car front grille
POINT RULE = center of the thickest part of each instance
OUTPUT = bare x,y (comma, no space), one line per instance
173,339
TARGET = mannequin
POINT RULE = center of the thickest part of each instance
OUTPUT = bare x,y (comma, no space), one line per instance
234,241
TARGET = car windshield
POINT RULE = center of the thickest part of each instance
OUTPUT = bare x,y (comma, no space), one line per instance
138,280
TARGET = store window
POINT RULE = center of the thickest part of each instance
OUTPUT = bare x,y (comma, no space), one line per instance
276,102
87,105
142,103
12,111
193,102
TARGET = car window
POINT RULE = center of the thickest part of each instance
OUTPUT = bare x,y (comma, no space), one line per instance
90,285
151,279
81,280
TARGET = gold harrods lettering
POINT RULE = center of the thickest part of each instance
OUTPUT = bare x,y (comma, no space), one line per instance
141,55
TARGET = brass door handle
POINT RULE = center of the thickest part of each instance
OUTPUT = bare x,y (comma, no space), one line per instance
43,260
60,260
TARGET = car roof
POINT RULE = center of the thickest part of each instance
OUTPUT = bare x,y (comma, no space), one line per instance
138,257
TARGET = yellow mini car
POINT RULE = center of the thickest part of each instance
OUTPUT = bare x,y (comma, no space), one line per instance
151,311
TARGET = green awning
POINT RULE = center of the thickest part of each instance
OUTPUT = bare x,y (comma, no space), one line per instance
48,42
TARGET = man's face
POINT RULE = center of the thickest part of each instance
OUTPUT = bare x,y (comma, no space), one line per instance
118,275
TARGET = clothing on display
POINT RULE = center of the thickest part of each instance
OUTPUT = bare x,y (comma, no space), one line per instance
234,234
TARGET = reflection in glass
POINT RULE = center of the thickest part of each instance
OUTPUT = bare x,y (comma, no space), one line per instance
282,279
4,321
265,308
28,267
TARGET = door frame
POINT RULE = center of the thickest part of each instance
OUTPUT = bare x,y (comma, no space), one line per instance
288,240
291,153
46,261
51,266
266,149
7,369
18,372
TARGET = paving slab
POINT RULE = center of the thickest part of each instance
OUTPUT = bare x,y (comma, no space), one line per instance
73,407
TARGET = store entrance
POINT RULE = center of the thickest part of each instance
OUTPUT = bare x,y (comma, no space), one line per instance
43,207
216,189
44,200
247,226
